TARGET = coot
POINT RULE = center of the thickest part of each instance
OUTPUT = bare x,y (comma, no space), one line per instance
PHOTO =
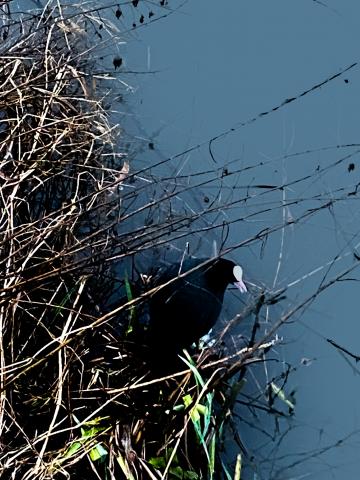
186,309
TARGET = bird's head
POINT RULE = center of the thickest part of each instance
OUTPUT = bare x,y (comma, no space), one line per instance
238,278
224,271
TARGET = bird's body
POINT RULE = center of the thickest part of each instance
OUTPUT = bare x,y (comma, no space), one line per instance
189,306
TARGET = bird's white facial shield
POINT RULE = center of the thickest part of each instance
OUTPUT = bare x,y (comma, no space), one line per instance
238,273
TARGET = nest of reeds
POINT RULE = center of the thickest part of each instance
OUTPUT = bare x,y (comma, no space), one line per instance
78,397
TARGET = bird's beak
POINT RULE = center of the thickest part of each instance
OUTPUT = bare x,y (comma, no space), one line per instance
241,286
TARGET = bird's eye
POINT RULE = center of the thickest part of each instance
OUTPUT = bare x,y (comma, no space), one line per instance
238,273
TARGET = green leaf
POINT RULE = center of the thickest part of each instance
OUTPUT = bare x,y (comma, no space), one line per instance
130,297
238,465
194,414
189,475
177,472
187,399
208,413
161,462
98,453
212,456
281,395
88,432
178,408
190,363
91,432
59,308
158,462
74,447
226,471
202,409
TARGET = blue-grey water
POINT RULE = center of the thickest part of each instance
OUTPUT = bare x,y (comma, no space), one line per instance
208,69
220,64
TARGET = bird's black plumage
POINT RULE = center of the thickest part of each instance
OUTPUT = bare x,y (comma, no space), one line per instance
187,308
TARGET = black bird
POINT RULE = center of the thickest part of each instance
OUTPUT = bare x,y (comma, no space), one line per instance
186,309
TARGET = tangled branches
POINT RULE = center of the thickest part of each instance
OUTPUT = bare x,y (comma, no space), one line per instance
58,170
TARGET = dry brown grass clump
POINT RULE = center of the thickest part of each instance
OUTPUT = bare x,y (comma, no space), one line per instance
59,174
